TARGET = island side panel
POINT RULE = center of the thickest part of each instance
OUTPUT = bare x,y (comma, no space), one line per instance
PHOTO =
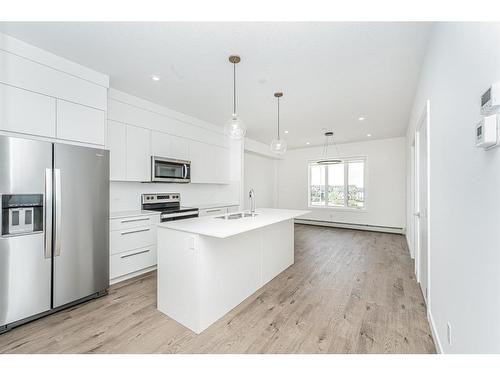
230,271
277,249
178,277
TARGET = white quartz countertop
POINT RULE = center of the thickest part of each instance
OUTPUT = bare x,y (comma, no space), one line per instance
213,227
212,205
122,214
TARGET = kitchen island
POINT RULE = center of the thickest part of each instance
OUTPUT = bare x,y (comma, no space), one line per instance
208,265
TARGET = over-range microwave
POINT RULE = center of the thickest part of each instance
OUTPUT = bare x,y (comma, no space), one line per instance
170,170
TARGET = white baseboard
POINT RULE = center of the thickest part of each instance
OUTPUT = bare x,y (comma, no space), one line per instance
435,336
410,250
371,228
131,275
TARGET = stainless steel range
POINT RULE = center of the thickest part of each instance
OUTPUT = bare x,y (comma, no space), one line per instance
169,204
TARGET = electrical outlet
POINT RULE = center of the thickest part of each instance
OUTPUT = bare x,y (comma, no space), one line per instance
448,332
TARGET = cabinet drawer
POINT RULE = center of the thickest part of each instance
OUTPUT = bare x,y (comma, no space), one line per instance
124,240
132,261
133,222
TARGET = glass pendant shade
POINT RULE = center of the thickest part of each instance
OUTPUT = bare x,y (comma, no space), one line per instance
235,128
278,146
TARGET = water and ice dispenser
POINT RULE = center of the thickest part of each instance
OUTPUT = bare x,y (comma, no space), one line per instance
22,214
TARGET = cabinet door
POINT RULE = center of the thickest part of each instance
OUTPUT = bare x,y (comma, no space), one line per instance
201,157
25,112
221,164
138,154
179,148
160,144
79,123
117,141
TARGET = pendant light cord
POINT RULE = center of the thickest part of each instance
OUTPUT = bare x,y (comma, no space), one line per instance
278,118
234,88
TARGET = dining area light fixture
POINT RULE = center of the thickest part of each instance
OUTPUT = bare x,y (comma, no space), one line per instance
325,159
278,145
235,127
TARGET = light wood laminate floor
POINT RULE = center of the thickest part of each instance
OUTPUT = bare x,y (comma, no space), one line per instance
348,292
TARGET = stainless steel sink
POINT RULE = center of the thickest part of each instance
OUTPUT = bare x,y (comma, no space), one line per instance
238,215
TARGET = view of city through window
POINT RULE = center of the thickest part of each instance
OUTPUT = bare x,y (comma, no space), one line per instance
337,185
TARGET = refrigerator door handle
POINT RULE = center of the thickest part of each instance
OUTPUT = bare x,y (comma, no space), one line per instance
57,193
48,213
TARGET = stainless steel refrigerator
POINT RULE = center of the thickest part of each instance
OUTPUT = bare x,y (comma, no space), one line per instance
54,243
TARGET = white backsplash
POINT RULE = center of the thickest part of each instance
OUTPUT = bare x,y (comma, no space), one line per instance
127,195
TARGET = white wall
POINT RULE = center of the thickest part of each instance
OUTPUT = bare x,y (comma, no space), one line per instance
135,111
463,59
259,174
385,183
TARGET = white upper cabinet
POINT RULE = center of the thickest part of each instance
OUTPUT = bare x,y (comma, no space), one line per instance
26,112
209,163
169,146
117,142
179,148
80,123
221,161
138,152
161,144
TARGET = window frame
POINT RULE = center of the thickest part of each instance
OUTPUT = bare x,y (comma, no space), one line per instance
346,161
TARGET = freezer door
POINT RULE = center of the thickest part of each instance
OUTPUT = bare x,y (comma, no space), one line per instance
25,258
81,217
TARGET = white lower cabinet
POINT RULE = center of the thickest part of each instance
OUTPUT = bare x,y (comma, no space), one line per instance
132,245
131,262
26,112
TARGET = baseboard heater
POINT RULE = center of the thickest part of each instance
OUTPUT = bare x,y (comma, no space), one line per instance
335,224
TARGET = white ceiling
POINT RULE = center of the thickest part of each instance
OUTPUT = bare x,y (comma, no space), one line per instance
330,73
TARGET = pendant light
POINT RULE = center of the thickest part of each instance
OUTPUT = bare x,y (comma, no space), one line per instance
278,146
235,128
325,159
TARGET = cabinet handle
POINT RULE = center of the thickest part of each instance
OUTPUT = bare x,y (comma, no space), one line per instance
216,210
132,220
131,255
135,231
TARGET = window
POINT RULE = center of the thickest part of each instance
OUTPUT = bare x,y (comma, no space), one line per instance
340,185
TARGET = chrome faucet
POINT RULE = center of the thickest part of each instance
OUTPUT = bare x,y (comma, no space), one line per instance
251,195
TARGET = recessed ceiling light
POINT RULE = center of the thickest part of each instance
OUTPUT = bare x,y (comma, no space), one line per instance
155,78
368,135
286,131
361,118
308,143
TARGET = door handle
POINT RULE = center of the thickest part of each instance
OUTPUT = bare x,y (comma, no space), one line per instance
417,214
57,193
48,213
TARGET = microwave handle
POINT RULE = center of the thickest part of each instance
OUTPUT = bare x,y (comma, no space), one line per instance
185,168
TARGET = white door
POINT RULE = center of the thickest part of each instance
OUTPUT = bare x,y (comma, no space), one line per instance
422,204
